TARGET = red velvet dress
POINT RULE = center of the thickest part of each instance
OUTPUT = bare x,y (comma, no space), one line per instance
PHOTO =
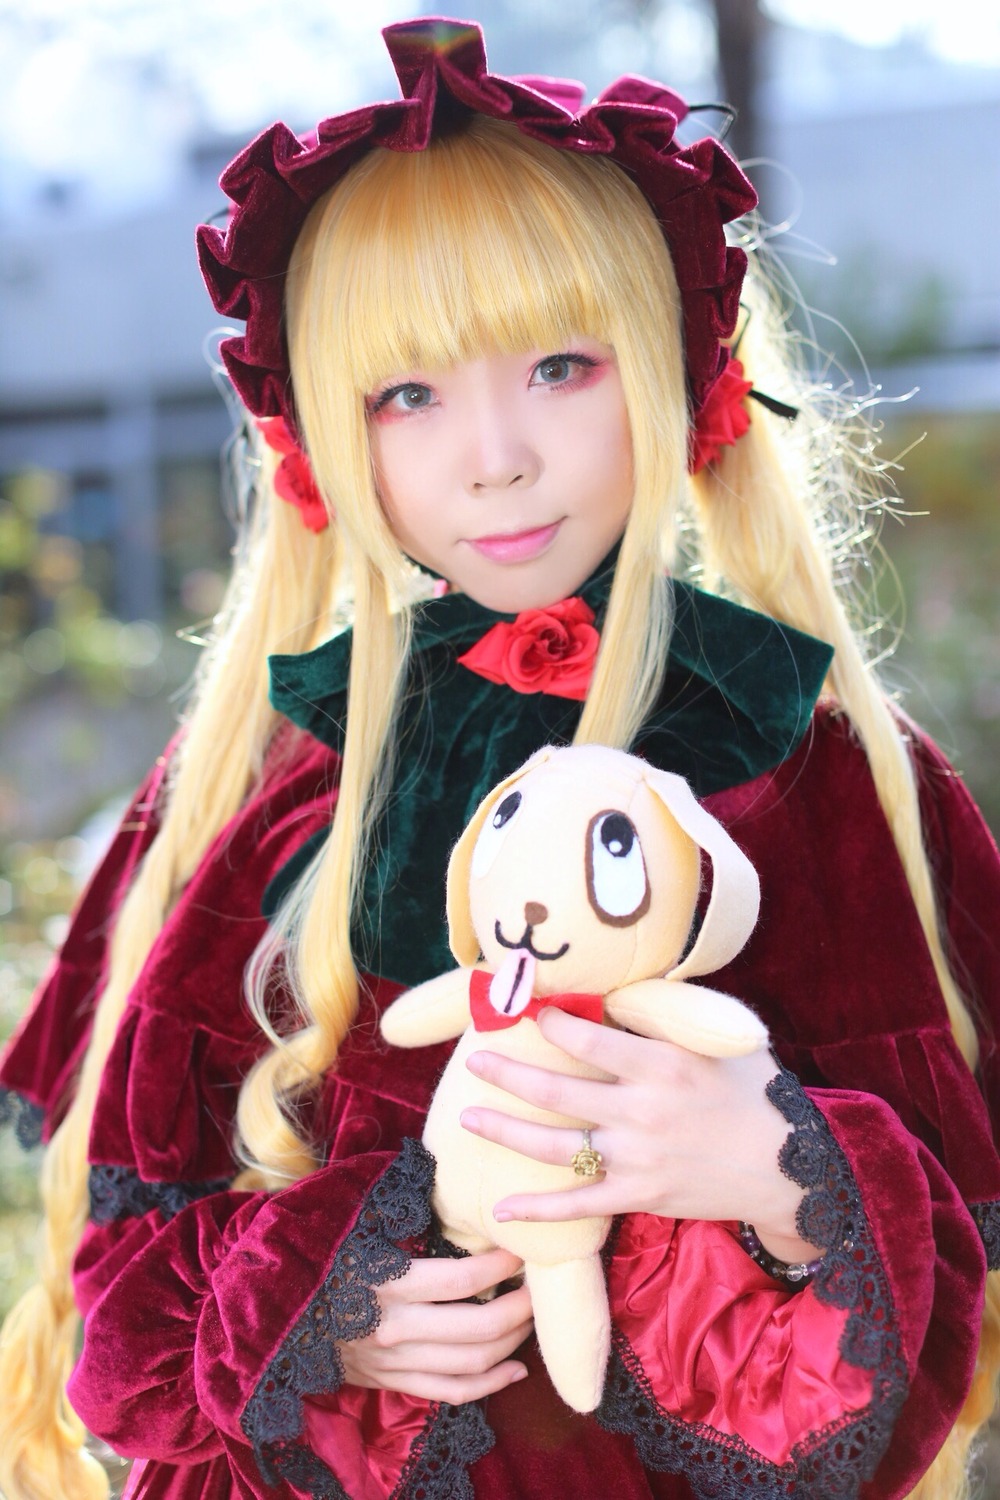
213,1317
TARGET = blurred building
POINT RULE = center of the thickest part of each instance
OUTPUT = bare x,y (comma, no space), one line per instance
888,163
103,378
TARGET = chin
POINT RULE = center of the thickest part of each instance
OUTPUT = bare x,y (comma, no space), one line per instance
509,590
509,596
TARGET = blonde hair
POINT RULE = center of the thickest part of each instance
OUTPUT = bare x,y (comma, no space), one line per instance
487,241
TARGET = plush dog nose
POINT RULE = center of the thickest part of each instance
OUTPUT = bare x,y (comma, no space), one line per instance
535,912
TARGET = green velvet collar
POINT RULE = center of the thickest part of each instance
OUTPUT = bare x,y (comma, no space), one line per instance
736,701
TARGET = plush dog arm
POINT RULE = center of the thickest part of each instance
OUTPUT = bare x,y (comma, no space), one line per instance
700,1019
435,1011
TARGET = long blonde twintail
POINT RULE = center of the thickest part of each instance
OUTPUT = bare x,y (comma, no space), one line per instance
760,536
312,935
278,599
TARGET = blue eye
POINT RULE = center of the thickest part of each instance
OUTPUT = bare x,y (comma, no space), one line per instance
562,369
411,396
554,371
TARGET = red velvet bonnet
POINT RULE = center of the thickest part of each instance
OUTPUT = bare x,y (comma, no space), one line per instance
441,65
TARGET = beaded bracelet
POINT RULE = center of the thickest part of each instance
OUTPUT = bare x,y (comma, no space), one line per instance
796,1274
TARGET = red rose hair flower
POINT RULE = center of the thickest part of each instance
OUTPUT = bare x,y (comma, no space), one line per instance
293,478
723,418
543,651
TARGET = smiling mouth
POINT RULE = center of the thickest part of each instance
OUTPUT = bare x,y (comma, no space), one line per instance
526,943
515,546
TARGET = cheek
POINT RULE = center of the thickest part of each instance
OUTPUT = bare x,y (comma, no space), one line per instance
400,498
602,447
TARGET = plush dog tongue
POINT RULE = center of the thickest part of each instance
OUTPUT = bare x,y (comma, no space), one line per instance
511,985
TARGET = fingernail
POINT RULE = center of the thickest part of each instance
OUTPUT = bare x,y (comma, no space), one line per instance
522,1374
502,1215
474,1062
470,1119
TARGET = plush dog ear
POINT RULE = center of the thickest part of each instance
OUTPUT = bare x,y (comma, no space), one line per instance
461,938
735,900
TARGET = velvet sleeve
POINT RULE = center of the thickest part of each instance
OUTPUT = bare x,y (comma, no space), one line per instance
848,1385
40,1061
162,1130
219,1329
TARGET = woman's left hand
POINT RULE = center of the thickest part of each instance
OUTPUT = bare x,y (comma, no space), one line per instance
680,1135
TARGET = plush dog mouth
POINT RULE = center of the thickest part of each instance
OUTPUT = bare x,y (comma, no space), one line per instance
526,943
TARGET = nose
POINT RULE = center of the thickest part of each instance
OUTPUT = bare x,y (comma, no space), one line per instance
502,464
501,454
535,913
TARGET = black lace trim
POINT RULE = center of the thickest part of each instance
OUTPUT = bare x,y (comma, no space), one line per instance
120,1193
26,1118
438,1466
837,1460
987,1217
344,1308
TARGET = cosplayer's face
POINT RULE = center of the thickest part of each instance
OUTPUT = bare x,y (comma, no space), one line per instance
510,475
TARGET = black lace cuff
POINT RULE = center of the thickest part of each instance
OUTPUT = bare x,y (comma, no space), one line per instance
26,1118
987,1217
840,1458
345,1308
120,1193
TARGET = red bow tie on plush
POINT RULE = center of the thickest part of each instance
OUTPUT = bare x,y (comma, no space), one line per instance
543,651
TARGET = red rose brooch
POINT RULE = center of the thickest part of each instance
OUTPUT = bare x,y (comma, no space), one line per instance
543,651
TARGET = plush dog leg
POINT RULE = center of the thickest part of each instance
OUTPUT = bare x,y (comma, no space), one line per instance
569,1303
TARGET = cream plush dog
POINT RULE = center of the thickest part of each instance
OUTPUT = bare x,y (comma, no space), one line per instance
576,881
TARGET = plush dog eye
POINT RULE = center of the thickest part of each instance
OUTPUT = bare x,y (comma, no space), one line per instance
508,807
617,885
493,832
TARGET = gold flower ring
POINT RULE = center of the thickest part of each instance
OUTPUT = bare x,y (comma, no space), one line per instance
587,1162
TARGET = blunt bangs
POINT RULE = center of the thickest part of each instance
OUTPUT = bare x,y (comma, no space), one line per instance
487,242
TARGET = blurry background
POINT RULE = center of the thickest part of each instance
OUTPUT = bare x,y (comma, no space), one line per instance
116,117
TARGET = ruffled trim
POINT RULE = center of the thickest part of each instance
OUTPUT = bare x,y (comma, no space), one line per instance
437,1469
987,1220
442,70
345,1308
27,1118
120,1193
846,1453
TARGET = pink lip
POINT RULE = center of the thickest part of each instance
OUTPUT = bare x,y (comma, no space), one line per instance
515,546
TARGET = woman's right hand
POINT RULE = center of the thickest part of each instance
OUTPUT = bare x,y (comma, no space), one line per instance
433,1343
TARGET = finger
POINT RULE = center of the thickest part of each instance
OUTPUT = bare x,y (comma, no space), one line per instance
458,1322
618,1052
454,1359
554,1144
602,1200
438,1279
560,1093
455,1389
